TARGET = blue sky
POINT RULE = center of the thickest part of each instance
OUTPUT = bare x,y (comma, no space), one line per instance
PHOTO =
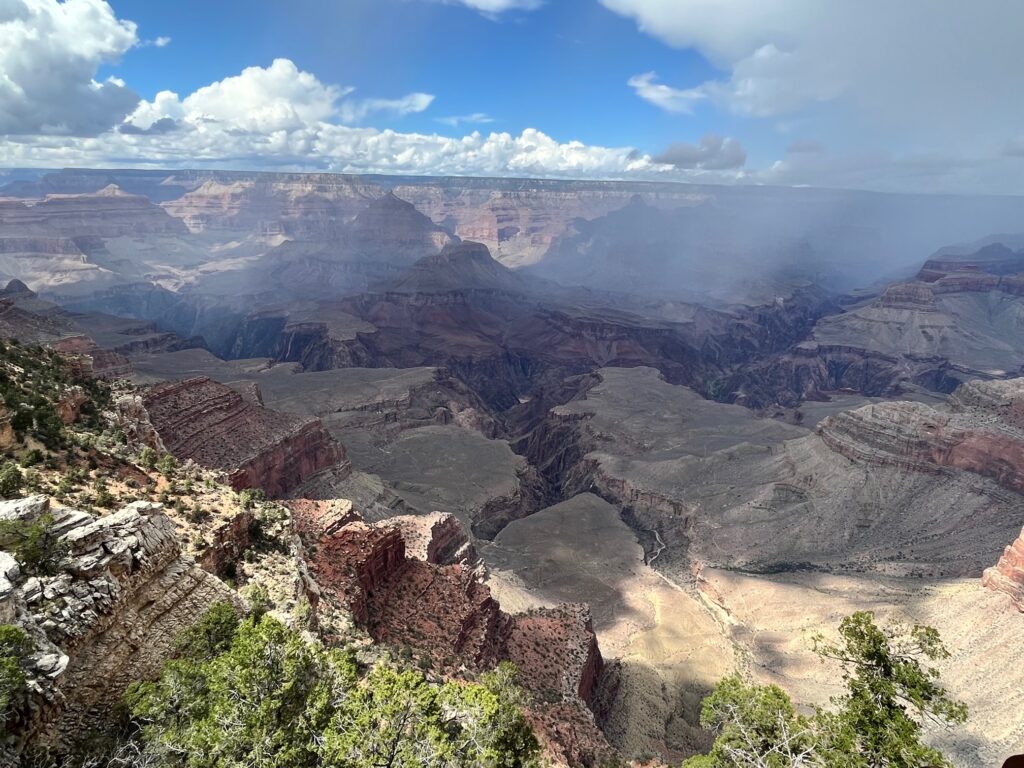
920,95
562,68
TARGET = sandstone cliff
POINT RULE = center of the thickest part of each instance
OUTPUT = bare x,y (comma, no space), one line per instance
1008,574
216,427
447,614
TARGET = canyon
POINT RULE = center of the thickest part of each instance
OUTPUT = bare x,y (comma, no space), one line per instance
631,437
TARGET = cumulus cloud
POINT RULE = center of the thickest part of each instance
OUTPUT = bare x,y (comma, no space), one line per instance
49,54
260,99
711,153
263,100
477,118
334,147
668,98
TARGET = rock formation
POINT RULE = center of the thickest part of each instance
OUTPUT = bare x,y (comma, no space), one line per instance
216,427
983,433
108,618
435,538
956,321
1008,574
448,614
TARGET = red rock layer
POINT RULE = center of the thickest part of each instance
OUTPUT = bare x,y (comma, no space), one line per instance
87,359
216,427
1008,574
918,438
447,614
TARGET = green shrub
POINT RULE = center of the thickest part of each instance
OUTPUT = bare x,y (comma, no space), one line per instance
33,544
15,649
269,698
11,479
167,465
890,690
147,457
250,497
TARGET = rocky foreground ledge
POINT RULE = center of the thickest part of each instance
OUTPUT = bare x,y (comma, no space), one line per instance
414,583
107,618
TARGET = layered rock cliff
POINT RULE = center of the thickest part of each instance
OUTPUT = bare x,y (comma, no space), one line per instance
1008,574
981,433
216,427
109,212
448,614
109,617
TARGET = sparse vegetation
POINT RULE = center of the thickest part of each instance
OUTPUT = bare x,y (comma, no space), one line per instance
33,544
11,480
891,689
15,649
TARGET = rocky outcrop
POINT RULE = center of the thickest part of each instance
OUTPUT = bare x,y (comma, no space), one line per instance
391,577
569,656
1008,574
108,212
230,542
108,618
87,359
978,435
994,259
436,538
355,562
216,427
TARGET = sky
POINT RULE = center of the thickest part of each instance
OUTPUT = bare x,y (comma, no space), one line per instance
913,96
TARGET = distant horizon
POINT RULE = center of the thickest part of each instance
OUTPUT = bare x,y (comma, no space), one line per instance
676,183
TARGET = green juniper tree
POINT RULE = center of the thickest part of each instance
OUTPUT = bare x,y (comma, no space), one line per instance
891,690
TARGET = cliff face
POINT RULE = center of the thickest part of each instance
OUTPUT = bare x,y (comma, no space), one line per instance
300,207
1008,574
108,212
957,321
216,427
436,538
981,434
107,619
447,613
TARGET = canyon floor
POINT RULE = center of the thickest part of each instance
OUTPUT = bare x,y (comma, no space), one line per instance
665,455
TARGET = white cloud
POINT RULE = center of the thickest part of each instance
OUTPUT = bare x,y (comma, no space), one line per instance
49,55
477,118
265,99
664,96
158,42
930,69
329,146
712,153
495,7
262,100
357,110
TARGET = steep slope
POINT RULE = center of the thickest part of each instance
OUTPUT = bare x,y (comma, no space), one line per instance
216,427
109,617
899,488
959,319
